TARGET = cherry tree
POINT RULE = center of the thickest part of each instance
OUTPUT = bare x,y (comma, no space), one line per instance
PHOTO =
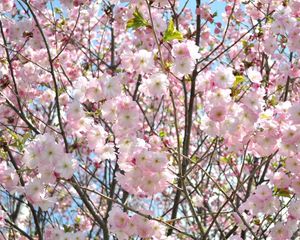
149,119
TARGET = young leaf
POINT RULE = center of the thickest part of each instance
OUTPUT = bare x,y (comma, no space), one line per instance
238,79
283,193
137,21
171,33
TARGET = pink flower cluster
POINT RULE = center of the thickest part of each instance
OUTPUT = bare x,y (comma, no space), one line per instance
48,162
8,177
146,170
125,226
261,201
185,55
56,233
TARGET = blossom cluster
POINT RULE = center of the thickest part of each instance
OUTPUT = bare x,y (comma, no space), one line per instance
125,226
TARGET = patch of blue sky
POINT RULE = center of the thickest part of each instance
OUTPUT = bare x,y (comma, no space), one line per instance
216,6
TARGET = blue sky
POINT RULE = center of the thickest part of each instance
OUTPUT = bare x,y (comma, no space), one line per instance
217,6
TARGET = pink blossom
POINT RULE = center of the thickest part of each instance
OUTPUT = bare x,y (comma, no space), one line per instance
280,232
8,177
156,85
223,77
218,113
143,61
294,112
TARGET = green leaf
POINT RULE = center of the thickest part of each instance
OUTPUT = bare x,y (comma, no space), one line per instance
235,90
77,220
238,79
3,154
58,11
281,192
137,21
162,134
195,159
61,23
273,101
270,19
256,221
224,160
67,228
171,33
270,218
19,140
